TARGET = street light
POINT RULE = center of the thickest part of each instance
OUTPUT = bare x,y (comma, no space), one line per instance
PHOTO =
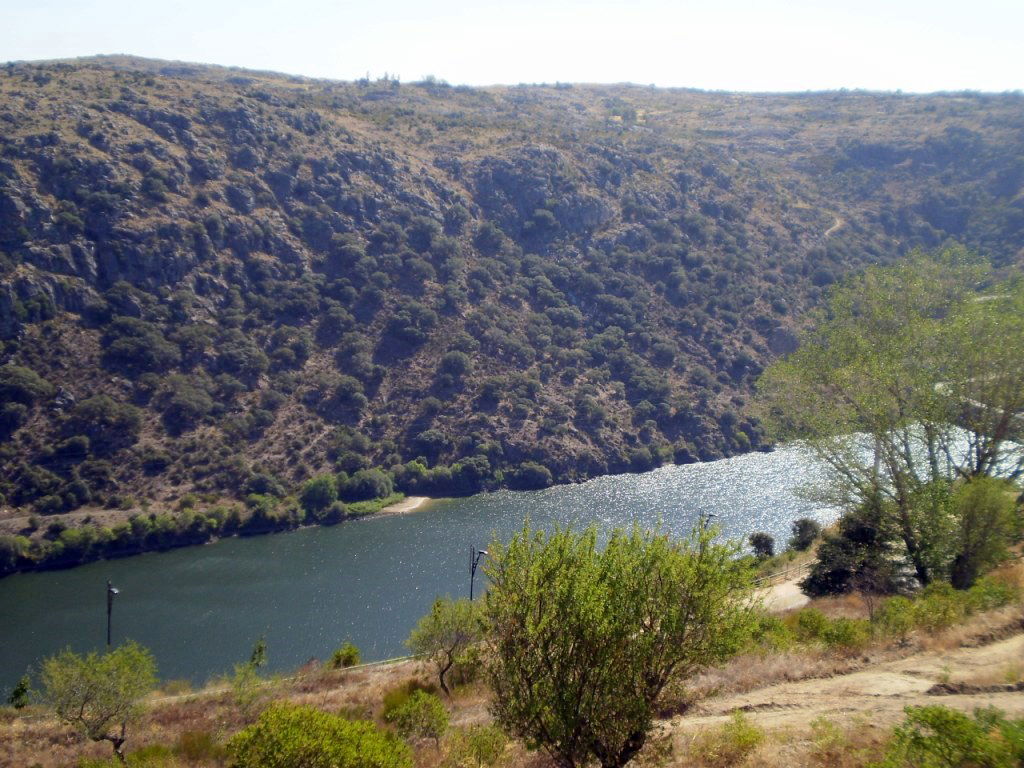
112,592
474,561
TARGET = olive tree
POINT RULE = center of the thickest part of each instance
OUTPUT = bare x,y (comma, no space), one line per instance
911,380
98,695
445,634
582,641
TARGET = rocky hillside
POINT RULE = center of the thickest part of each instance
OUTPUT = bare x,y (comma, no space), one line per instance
223,282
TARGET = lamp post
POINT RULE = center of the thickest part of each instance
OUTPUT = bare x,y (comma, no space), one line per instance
112,592
474,561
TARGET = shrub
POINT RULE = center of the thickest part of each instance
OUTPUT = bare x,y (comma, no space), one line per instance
938,737
397,696
729,744
478,745
108,424
22,385
421,716
290,736
895,617
345,656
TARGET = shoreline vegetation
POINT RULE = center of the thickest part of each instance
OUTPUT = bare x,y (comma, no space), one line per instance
160,532
49,543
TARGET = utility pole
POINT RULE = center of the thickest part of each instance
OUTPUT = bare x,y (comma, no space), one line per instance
112,592
474,561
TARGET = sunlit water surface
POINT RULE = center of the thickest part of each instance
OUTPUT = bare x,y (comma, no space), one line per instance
200,609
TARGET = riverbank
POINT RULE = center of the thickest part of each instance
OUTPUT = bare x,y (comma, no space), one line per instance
60,546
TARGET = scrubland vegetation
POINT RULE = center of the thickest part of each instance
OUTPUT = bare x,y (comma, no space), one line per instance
218,286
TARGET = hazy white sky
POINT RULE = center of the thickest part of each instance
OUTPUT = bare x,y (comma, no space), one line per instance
911,45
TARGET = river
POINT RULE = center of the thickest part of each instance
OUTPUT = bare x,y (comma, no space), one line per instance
200,609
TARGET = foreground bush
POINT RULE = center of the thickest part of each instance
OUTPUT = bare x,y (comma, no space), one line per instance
583,641
937,737
290,736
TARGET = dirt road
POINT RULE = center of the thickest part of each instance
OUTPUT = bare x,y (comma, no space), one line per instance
881,692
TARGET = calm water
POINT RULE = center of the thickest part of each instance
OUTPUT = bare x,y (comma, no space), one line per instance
201,609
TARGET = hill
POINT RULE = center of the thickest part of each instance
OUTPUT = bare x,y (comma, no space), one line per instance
216,284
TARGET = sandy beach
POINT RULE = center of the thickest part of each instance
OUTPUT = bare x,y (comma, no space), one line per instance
408,504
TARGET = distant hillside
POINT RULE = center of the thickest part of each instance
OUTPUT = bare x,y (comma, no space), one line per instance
223,282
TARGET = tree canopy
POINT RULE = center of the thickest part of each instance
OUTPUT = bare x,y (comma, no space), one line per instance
911,380
98,695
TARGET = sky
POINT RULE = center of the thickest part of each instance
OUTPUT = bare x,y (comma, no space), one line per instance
742,45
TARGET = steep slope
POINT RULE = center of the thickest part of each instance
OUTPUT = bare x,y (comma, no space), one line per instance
227,282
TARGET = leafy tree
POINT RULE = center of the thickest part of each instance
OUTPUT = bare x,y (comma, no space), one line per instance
258,657
910,382
421,716
366,484
99,695
583,642
345,656
445,634
291,736
19,694
985,509
805,532
763,544
319,493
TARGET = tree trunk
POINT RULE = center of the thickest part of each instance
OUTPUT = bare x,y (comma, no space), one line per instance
634,743
442,672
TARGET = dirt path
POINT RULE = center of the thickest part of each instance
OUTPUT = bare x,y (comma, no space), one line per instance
880,692
836,226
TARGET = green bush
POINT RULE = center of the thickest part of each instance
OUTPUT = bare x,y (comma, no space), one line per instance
22,385
290,736
812,626
939,606
477,746
729,744
319,493
937,737
421,716
345,656
395,698
895,617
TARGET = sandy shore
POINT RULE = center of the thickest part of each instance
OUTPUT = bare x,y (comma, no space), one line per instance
408,504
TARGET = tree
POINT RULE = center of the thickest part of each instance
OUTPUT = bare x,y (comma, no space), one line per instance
445,634
763,545
319,493
19,694
910,382
291,736
99,695
583,641
805,532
